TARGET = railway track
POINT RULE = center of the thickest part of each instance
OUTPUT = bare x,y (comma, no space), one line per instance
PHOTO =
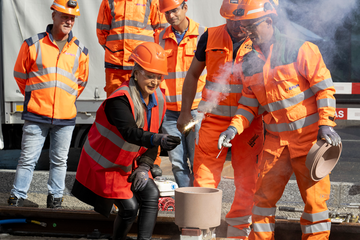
91,225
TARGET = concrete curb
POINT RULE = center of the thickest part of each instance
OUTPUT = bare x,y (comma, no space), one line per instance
342,194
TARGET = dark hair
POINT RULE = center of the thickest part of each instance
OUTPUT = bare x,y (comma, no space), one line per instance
182,5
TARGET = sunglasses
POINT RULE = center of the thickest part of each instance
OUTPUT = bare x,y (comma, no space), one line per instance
252,27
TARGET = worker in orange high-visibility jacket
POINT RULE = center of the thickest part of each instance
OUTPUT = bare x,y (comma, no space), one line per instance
121,26
122,145
179,41
288,78
51,71
219,49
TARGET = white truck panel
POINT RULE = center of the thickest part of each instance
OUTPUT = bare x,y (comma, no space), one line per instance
22,19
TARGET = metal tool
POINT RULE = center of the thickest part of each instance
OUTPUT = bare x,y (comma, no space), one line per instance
290,209
220,152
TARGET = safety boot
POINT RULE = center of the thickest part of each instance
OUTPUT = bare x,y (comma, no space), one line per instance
15,201
156,171
52,202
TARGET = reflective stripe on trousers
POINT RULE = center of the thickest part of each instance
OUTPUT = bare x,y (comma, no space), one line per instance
275,174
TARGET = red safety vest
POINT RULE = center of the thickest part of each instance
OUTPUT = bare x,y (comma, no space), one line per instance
107,159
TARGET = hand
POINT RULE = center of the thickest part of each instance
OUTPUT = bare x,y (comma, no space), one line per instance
139,177
166,141
183,120
226,137
329,135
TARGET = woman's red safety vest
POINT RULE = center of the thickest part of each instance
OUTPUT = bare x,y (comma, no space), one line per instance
107,159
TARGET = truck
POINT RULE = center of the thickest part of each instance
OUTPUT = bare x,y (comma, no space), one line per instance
22,19
334,27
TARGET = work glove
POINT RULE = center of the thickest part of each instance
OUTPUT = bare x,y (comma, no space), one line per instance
156,171
329,135
226,137
166,141
139,177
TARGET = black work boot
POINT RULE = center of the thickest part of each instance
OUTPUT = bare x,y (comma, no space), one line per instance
15,201
156,171
52,202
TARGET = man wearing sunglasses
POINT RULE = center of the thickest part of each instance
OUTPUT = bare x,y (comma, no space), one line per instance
219,49
179,41
288,78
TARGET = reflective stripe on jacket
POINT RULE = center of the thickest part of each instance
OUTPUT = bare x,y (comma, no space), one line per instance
223,87
107,159
51,80
124,24
294,87
179,61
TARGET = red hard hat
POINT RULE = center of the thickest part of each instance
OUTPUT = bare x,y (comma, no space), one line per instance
252,9
66,6
151,57
228,7
166,5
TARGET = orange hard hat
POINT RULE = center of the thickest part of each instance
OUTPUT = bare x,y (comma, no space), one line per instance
228,7
166,5
151,57
252,9
66,6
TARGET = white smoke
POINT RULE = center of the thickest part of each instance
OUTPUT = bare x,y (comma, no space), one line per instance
327,23
221,89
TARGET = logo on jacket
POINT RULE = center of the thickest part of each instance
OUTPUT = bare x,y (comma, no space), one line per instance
73,55
291,88
252,140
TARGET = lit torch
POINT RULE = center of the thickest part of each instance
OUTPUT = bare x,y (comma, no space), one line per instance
189,126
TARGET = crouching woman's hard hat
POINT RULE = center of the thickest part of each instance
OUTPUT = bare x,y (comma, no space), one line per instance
322,158
66,6
151,57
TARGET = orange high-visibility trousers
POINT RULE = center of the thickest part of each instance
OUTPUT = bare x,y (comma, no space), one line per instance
244,158
114,78
275,174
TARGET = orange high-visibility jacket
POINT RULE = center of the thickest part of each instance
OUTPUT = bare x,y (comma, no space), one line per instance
106,159
124,24
51,80
179,61
294,87
222,90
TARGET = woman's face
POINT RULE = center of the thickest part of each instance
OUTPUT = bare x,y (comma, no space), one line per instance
147,81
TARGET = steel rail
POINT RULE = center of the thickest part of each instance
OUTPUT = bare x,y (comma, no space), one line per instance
89,224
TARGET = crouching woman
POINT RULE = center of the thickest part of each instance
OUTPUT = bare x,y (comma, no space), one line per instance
122,145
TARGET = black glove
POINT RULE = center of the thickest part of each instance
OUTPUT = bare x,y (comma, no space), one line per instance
329,135
166,141
139,177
